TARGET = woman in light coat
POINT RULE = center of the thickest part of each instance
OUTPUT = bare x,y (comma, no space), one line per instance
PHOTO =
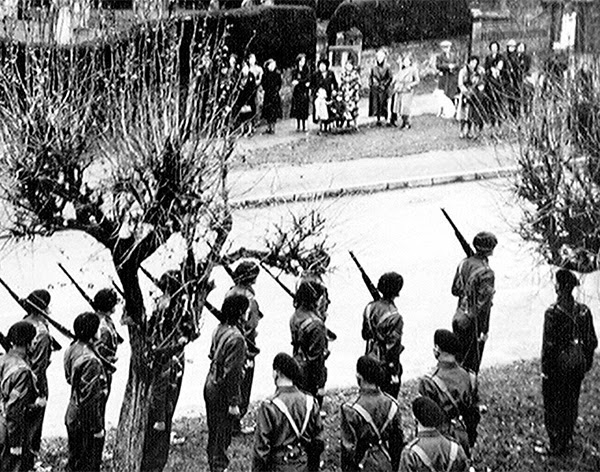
405,81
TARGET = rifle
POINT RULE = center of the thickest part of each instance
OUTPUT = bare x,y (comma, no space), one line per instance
330,334
117,288
77,286
461,239
4,343
370,286
211,308
64,331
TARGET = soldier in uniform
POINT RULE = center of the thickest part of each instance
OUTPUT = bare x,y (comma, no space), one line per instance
454,390
371,437
567,354
85,372
288,425
170,330
309,338
108,339
430,450
222,390
474,286
17,396
244,277
41,349
382,329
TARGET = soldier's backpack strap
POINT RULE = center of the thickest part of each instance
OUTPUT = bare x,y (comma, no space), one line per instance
453,455
369,419
278,402
441,385
424,457
391,413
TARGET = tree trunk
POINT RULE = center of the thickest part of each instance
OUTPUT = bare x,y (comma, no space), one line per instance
134,410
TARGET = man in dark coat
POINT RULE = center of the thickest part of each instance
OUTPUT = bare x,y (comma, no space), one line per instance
309,338
382,330
222,390
380,81
447,66
288,425
371,436
86,374
244,277
474,286
567,354
454,390
17,396
430,450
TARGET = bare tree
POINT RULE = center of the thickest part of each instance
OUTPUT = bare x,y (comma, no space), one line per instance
559,166
128,141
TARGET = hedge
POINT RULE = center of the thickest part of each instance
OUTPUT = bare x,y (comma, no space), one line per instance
278,32
383,22
326,8
298,3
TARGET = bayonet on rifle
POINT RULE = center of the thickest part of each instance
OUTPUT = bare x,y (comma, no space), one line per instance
461,239
77,286
366,279
64,331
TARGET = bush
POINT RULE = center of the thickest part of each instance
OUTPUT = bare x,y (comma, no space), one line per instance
326,8
383,22
278,32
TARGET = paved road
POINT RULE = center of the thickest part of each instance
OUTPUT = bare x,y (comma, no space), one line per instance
400,230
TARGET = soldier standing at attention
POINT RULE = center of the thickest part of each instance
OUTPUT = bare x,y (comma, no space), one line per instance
474,286
108,339
309,338
288,425
567,354
222,390
430,450
42,346
244,277
86,374
17,396
454,390
382,329
371,437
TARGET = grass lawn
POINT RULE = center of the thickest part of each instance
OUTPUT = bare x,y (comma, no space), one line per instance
508,434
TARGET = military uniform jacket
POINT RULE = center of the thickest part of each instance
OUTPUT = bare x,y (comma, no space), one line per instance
85,373
444,455
561,327
254,314
310,346
474,286
274,433
17,394
39,356
228,356
382,329
108,338
462,386
357,435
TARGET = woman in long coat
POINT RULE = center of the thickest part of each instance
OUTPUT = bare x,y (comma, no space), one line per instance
379,87
300,94
244,107
470,106
324,79
405,81
350,90
271,84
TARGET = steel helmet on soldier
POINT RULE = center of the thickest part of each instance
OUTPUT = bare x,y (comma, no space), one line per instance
21,333
245,272
390,284
485,241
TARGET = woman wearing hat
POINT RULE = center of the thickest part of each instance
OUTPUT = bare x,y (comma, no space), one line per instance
300,94
405,81
271,84
447,65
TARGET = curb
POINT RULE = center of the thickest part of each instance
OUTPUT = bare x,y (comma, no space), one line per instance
365,189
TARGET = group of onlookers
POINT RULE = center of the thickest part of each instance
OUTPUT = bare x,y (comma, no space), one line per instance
501,88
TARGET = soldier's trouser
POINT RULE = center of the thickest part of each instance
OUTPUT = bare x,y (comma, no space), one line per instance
85,451
246,388
220,429
561,399
471,349
157,443
35,420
